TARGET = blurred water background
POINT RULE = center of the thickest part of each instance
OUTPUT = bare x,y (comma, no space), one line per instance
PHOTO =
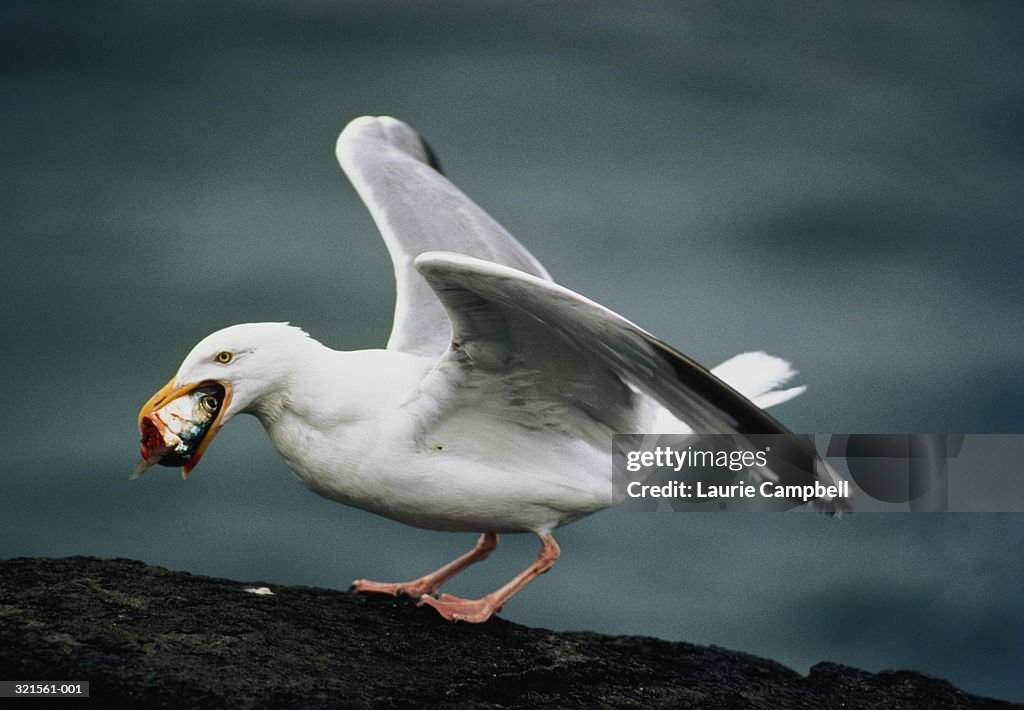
837,183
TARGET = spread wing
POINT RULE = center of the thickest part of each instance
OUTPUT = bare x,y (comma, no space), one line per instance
509,325
417,209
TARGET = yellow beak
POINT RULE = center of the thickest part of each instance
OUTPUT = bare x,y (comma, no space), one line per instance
168,393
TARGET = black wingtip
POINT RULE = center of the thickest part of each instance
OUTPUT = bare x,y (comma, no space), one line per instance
432,160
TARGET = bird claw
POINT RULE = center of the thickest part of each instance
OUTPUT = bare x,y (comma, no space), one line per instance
414,589
473,611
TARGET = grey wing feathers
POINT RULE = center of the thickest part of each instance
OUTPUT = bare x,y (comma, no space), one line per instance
416,210
684,387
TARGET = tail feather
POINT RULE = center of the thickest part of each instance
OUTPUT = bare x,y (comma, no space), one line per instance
770,399
755,375
758,376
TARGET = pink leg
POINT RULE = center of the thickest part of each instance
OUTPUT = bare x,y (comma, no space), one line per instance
479,610
431,583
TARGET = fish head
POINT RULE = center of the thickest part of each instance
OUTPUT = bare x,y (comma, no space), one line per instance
177,424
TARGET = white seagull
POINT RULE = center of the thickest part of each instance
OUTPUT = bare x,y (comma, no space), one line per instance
492,408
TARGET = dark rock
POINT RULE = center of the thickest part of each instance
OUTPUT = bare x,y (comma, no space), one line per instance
155,638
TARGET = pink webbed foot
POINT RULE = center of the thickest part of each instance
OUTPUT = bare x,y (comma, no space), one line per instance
431,583
473,611
415,589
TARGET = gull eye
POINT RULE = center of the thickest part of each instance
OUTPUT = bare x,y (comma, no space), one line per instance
224,357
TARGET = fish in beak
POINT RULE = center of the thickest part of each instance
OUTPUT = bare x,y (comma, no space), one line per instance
178,423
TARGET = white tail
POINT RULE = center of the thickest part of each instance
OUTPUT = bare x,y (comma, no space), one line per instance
756,375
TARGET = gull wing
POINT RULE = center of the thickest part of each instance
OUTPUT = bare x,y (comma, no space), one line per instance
505,322
417,209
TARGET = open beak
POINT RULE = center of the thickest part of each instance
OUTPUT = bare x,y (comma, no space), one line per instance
167,394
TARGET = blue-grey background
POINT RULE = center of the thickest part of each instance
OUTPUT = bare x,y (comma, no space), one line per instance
837,183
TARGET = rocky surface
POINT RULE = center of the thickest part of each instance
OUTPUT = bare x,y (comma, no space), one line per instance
157,638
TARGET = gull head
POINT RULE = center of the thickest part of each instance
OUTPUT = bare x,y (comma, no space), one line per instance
230,371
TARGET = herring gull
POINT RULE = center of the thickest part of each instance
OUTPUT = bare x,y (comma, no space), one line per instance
493,406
